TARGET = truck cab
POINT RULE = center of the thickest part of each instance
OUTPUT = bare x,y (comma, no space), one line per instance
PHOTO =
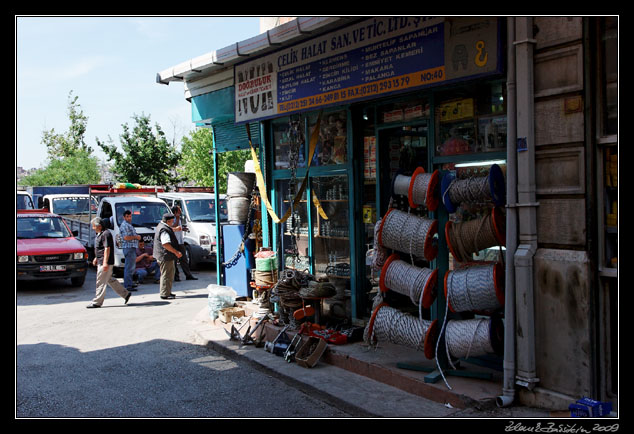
78,206
199,215
47,249
23,200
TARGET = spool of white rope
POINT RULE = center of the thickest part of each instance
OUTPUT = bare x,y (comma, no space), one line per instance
475,287
408,233
421,188
469,237
472,337
391,325
481,189
416,282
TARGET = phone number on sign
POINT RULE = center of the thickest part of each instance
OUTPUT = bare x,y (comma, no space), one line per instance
377,87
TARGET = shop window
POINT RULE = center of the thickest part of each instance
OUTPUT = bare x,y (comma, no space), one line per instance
331,241
289,142
472,120
332,145
294,231
404,111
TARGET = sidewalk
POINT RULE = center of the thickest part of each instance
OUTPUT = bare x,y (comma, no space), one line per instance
367,383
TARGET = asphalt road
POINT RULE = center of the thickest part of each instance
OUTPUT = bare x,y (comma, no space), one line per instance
137,360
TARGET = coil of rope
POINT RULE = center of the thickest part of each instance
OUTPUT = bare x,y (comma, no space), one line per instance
469,237
421,188
408,233
391,325
475,287
418,283
480,189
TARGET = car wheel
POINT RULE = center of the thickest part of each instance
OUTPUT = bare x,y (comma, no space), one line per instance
190,258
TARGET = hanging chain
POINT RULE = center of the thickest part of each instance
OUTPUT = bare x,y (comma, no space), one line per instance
296,139
236,256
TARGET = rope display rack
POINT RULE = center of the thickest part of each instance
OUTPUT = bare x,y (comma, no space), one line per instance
475,288
412,235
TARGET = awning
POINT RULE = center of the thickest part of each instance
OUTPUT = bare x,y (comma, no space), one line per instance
286,34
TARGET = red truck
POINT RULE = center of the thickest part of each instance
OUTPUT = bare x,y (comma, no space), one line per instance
47,249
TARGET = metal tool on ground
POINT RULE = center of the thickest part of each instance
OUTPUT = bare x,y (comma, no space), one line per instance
248,336
289,354
234,335
270,346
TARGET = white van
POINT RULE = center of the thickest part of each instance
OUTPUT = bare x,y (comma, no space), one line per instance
199,214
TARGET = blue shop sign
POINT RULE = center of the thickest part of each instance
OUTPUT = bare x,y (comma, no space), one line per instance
375,57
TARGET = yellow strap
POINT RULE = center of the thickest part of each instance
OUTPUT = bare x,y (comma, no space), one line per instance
314,138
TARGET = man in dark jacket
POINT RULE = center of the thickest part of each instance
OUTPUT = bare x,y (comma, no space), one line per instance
166,253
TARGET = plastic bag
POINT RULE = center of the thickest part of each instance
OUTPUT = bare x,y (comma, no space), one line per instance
219,298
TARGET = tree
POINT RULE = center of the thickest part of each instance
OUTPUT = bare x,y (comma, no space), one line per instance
79,168
197,163
147,158
70,159
69,143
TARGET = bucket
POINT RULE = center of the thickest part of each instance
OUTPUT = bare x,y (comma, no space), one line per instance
240,184
238,209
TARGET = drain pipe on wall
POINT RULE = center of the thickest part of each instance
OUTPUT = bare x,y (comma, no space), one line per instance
508,388
526,205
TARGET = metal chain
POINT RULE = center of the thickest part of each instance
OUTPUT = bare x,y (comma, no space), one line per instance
236,256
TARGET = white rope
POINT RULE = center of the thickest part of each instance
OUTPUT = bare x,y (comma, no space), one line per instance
399,328
469,190
406,233
472,287
407,279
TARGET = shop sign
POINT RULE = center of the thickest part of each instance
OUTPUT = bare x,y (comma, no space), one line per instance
376,57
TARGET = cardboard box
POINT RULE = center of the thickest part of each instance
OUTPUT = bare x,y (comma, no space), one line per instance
310,352
227,313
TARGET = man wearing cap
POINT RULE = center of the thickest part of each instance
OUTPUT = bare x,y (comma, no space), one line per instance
166,253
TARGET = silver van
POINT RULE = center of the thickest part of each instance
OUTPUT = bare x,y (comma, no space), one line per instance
199,214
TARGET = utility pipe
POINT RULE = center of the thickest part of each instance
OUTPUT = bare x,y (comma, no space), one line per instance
527,206
508,388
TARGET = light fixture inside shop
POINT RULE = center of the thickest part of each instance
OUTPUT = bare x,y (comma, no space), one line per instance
480,163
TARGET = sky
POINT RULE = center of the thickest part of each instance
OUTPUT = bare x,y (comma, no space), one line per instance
110,63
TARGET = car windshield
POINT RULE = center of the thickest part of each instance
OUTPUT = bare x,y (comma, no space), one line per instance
73,205
144,214
204,210
41,227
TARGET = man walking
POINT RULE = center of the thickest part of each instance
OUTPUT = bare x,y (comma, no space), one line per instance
166,253
179,228
129,246
104,261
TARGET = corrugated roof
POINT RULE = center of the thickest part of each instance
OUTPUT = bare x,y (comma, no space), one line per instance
216,61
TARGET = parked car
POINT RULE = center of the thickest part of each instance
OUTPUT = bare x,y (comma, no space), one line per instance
47,249
199,214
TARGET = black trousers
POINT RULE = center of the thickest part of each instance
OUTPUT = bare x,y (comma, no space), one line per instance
183,263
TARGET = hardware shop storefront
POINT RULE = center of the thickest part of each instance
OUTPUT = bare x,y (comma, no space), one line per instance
391,95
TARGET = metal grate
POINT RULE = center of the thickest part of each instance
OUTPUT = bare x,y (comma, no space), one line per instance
52,258
231,137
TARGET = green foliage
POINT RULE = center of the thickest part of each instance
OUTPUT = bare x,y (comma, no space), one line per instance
147,158
71,142
197,164
79,168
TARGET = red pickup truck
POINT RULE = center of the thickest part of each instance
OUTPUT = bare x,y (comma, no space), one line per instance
46,248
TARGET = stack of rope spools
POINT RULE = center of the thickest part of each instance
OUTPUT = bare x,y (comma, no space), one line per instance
473,287
409,236
239,189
